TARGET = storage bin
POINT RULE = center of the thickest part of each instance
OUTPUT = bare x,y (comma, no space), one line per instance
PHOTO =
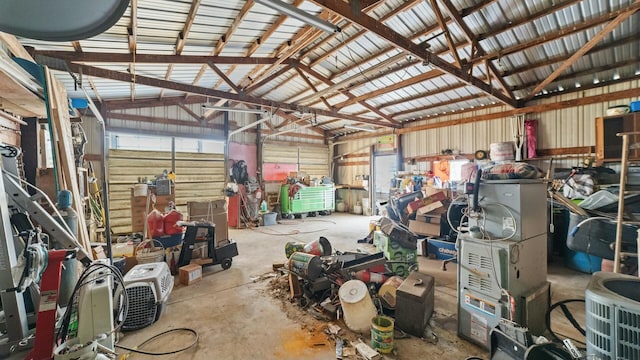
635,106
269,218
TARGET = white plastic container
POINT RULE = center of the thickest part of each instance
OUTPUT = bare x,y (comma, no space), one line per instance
501,151
340,206
357,306
357,209
140,190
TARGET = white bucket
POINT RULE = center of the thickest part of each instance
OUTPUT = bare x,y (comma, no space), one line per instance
340,206
501,151
357,209
357,306
365,203
140,190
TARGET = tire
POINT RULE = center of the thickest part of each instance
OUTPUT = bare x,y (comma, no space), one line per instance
226,263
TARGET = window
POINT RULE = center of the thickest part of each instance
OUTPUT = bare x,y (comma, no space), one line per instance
124,141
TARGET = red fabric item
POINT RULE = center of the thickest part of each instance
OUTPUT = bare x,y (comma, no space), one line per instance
531,130
155,220
170,220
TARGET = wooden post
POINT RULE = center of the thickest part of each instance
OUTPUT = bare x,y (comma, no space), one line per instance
623,181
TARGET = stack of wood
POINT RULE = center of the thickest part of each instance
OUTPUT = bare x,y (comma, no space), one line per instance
66,174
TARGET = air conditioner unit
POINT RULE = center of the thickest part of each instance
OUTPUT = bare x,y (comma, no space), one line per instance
612,307
148,287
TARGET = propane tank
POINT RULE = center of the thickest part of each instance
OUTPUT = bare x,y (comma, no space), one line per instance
69,275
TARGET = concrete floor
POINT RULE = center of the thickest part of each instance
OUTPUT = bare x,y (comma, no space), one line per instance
237,317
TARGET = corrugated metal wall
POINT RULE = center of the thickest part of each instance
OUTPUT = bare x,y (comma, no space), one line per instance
348,166
312,160
199,177
569,127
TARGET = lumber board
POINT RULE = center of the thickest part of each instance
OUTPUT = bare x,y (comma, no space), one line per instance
61,125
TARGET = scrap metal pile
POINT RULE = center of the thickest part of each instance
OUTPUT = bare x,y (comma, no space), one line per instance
362,289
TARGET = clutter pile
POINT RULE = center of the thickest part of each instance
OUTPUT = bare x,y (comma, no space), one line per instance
370,293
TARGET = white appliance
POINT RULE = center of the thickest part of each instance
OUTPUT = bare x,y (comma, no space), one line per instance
612,313
95,303
148,287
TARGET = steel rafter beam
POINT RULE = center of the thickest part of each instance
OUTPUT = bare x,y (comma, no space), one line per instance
570,30
182,37
395,38
423,32
223,40
313,87
589,71
443,25
243,98
256,45
453,12
348,94
303,38
401,8
585,48
95,90
518,47
224,77
99,57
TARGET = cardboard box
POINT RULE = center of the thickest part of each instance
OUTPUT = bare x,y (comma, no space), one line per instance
189,274
439,196
422,247
214,211
442,250
431,207
431,191
429,218
422,228
414,206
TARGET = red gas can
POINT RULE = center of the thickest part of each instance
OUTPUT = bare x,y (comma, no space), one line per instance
170,220
155,221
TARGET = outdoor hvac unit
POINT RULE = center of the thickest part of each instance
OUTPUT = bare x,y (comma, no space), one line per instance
148,287
613,316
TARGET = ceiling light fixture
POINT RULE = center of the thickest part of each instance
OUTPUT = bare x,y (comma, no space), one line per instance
360,128
239,110
301,15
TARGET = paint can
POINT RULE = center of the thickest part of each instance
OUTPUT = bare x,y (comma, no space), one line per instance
320,247
357,306
502,151
306,266
382,334
293,246
387,292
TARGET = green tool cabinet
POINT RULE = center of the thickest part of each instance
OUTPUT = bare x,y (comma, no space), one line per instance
308,199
